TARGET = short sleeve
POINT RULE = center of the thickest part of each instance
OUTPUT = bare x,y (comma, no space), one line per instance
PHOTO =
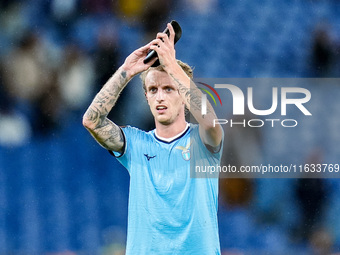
132,141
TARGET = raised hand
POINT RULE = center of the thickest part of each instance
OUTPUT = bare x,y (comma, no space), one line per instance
165,47
134,65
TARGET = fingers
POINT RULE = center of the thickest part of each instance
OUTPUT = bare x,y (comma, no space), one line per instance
165,38
172,32
142,51
164,46
156,43
163,42
155,47
145,48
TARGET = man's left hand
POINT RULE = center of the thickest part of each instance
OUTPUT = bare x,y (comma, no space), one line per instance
165,48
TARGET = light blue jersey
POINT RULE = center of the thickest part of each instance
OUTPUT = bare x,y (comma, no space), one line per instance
169,212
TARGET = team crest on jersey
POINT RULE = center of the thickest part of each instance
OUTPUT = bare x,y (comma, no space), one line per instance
185,151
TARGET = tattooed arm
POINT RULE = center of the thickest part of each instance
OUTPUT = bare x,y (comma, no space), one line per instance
210,134
164,46
95,120
192,97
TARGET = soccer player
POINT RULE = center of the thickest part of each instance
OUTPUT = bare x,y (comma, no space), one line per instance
169,212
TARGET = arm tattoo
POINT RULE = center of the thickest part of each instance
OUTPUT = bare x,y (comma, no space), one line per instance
193,96
106,98
92,114
105,131
108,134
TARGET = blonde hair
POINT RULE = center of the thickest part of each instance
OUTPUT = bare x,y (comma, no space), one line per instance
185,67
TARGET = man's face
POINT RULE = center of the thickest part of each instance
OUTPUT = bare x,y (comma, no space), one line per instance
165,102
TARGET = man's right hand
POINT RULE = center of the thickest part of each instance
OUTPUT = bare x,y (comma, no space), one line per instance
106,132
134,64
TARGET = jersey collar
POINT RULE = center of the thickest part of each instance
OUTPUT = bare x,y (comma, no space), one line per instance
171,139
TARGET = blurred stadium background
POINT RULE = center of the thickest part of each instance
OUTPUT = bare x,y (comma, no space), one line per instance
60,193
